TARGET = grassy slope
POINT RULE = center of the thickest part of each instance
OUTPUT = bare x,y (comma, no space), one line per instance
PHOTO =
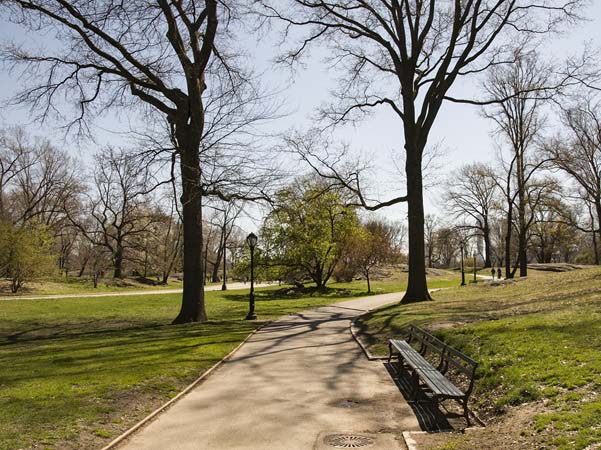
78,371
84,285
538,342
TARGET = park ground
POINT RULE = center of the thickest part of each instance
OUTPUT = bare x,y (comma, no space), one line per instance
538,342
79,371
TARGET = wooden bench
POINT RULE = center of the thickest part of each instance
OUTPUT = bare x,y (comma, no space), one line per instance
434,371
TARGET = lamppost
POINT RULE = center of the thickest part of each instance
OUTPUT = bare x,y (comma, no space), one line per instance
474,267
251,240
224,285
461,245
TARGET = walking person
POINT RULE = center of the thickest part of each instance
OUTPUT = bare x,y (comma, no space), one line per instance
499,273
492,272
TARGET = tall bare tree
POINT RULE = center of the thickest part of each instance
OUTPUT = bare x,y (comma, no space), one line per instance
170,58
470,194
578,154
519,121
14,152
406,56
118,204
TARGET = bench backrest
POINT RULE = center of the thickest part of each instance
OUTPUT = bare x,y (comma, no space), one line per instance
449,357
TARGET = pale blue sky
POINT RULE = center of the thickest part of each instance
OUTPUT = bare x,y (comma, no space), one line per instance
463,134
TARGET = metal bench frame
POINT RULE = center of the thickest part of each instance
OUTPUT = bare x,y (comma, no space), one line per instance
434,377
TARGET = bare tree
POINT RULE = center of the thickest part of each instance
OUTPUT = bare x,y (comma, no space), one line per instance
407,55
228,213
47,187
579,153
431,225
170,58
14,151
118,205
519,121
470,195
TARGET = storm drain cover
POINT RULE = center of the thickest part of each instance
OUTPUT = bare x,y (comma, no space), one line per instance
348,440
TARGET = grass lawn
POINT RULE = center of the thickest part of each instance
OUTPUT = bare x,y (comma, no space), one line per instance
79,371
538,342
83,285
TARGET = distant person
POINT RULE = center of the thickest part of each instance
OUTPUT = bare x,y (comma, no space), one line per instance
492,272
499,274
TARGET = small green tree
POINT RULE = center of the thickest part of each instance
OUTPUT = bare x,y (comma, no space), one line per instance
25,253
375,244
308,230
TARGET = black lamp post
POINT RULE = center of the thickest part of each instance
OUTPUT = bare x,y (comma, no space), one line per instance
224,285
251,240
462,267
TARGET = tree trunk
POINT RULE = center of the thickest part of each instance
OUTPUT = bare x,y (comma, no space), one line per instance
118,261
217,264
193,305
417,288
368,283
487,245
595,242
508,231
522,247
83,267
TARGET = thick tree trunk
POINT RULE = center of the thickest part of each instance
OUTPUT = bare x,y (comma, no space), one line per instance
595,248
522,241
595,241
417,288
217,265
118,262
368,283
508,231
193,305
487,245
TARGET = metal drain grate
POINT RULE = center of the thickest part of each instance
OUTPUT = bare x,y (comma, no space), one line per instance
348,441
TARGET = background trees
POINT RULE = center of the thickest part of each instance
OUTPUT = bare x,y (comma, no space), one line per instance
171,61
407,56
471,192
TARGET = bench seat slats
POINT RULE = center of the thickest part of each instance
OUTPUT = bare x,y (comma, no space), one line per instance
432,377
438,383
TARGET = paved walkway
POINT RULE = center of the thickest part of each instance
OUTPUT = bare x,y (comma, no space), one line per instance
301,376
213,287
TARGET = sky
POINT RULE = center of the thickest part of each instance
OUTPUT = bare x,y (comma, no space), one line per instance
460,131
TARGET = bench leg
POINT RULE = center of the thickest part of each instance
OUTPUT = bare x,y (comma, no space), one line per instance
415,387
466,412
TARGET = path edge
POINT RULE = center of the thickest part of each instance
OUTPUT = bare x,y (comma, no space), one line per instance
356,334
168,404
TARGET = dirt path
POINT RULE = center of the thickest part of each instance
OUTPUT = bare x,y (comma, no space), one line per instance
230,287
291,386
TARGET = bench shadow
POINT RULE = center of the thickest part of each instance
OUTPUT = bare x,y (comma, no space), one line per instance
429,415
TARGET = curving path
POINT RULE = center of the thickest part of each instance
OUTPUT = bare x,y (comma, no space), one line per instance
297,378
213,287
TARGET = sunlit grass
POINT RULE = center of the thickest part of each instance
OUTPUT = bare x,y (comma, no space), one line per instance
538,339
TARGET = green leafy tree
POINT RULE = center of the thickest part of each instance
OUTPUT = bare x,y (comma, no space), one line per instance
375,244
308,230
25,253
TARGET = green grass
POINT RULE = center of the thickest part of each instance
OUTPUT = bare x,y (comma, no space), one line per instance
78,371
536,340
83,285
